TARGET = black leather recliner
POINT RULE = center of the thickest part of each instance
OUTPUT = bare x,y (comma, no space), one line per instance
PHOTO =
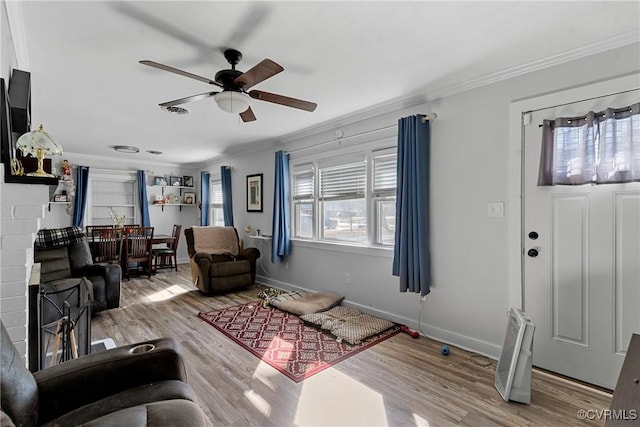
120,386
66,260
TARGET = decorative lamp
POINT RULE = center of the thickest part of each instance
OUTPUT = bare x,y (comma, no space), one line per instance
38,143
232,101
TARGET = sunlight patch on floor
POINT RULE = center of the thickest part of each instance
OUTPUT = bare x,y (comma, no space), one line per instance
420,422
334,399
168,293
258,402
264,372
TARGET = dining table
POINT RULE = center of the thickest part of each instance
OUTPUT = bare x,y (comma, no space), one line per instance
162,238
157,239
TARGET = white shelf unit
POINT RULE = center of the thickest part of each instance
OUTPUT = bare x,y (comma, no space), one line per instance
261,237
176,192
62,186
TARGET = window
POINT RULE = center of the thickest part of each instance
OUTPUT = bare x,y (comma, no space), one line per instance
217,214
112,190
384,196
597,148
303,200
348,199
343,204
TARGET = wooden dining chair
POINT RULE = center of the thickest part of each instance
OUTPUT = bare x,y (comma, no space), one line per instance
138,253
106,244
166,257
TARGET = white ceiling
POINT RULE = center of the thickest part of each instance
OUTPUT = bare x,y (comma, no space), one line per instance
91,93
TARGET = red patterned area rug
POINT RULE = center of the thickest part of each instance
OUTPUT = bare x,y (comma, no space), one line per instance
283,340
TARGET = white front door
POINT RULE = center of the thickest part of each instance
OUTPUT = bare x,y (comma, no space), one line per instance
581,262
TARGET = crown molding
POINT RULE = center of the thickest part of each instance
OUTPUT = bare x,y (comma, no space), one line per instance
94,159
622,40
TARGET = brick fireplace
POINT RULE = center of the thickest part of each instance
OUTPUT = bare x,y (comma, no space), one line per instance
22,209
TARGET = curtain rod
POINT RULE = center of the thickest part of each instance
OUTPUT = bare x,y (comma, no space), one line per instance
425,117
596,115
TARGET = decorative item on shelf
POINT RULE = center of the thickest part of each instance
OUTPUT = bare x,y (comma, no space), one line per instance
189,198
175,181
160,181
118,219
187,181
167,199
38,143
65,170
66,189
158,200
175,199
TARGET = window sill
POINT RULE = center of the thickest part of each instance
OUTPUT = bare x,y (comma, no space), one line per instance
375,251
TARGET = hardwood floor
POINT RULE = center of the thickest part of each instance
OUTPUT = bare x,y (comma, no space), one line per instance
399,382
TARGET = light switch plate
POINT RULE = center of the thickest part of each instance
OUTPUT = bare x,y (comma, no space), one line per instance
495,209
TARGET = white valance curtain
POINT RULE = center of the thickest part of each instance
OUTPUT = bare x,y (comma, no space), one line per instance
596,148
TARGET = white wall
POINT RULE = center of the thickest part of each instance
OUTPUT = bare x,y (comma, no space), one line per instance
471,153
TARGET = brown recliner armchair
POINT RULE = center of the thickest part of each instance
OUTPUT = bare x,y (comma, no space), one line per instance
120,386
219,263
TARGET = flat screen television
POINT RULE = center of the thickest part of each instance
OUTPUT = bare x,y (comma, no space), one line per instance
513,372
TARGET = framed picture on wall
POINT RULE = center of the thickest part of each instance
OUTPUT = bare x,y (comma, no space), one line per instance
160,180
189,198
175,180
187,181
254,193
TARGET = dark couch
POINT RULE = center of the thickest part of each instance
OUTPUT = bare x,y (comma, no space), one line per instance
67,259
213,271
114,387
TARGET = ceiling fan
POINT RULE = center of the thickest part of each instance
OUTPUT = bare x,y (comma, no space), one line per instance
235,96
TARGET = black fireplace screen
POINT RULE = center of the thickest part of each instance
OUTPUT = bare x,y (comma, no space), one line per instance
61,327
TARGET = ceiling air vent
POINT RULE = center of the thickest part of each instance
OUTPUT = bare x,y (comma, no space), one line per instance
176,110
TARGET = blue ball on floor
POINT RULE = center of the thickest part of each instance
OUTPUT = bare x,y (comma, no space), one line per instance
444,350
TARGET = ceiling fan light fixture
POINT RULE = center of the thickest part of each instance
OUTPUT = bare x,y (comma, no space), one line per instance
232,101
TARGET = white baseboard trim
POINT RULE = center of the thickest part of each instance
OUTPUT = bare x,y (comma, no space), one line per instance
444,336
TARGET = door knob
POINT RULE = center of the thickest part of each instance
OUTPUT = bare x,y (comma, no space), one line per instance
532,253
533,235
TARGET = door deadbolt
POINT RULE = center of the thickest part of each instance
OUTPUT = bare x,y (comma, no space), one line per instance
532,253
533,235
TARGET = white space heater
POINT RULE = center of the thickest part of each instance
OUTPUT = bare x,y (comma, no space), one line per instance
513,373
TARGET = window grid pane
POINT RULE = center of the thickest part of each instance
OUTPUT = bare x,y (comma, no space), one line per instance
303,218
385,222
303,185
118,195
216,192
343,182
384,175
345,220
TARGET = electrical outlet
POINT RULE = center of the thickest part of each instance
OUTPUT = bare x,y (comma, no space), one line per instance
347,278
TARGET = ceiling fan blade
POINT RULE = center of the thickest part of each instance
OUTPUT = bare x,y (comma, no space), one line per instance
188,99
283,100
247,115
260,72
179,72
250,21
